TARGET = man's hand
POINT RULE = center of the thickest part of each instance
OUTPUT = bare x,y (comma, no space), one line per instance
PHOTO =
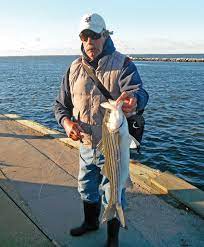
129,105
73,130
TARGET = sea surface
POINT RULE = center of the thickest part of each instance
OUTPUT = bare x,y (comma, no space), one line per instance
174,131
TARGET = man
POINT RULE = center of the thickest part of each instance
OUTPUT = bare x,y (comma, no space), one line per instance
77,109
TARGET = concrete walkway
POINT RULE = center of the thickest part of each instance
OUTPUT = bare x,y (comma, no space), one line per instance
40,174
16,229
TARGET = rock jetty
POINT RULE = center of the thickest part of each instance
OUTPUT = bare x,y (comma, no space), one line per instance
169,59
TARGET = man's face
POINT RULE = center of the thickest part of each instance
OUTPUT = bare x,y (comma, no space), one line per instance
92,43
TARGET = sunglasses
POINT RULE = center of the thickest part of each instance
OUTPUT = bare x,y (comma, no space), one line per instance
89,34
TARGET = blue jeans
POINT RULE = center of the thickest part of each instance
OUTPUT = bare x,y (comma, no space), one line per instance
91,184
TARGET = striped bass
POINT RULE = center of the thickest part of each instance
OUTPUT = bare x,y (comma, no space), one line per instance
115,147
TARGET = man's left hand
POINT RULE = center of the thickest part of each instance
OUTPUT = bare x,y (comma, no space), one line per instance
129,105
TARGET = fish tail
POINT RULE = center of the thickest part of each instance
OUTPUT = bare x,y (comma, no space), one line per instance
112,211
109,213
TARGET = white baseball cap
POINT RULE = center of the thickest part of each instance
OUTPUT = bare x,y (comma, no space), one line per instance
93,22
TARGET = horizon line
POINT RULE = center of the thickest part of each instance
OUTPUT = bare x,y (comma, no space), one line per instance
62,55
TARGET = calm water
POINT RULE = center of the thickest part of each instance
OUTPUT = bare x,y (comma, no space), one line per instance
174,136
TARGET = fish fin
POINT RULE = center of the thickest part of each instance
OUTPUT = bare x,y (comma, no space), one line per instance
129,183
134,144
107,105
104,171
109,213
120,214
112,102
112,211
99,147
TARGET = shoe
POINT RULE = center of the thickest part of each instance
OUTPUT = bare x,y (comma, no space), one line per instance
91,219
113,227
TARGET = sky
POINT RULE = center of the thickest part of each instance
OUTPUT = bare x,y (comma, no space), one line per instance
50,27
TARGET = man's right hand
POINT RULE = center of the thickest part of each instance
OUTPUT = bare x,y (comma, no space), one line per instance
73,130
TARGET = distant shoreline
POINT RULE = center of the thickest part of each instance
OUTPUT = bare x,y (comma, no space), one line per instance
169,59
135,57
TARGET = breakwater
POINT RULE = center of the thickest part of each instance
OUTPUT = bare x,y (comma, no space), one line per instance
167,59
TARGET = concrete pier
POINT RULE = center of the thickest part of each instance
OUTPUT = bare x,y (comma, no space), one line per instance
38,182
